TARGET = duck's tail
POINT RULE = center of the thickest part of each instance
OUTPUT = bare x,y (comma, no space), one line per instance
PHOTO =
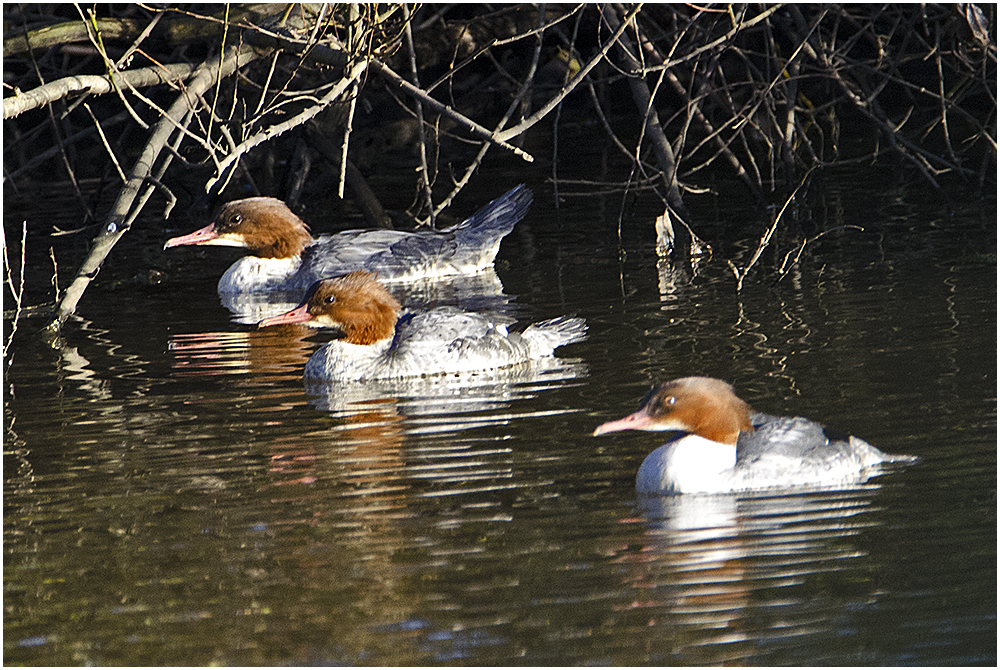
546,336
485,228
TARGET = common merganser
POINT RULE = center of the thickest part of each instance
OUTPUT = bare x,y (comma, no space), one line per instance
724,446
285,258
377,343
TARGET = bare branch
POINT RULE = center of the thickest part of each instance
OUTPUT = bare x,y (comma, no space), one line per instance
441,108
427,180
573,83
273,131
95,85
117,221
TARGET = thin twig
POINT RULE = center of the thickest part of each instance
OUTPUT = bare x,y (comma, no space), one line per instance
786,267
94,35
59,142
352,106
273,131
765,239
55,274
427,182
18,292
441,108
572,84
52,151
107,146
514,105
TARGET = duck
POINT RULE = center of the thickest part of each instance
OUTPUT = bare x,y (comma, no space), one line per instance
720,445
284,257
377,342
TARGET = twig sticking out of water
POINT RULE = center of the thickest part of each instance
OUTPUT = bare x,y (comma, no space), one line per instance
786,266
741,273
55,274
17,292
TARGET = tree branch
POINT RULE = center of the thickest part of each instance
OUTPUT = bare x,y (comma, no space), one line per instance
95,84
119,218
273,131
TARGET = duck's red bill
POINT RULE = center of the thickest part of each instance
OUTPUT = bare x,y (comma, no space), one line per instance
199,236
297,315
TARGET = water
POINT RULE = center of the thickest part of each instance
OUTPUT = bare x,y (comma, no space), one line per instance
174,494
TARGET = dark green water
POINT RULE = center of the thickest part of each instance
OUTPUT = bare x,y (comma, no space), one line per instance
173,495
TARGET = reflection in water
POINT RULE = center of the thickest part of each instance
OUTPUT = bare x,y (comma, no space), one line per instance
715,567
80,371
678,293
366,488
196,498
673,276
275,352
105,360
252,308
374,416
455,395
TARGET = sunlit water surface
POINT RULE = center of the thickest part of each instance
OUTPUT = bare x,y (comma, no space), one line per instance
175,494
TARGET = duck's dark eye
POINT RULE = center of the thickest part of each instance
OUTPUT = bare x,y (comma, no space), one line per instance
235,218
330,299
669,400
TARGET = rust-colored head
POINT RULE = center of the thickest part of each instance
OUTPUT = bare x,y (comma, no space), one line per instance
265,226
702,405
356,304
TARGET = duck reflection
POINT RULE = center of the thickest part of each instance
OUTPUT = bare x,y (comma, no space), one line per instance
356,497
278,351
365,451
372,419
468,398
275,353
716,569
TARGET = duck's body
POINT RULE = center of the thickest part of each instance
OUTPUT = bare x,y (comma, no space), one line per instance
286,259
379,344
722,446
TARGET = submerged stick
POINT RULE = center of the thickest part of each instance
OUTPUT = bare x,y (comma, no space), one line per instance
120,217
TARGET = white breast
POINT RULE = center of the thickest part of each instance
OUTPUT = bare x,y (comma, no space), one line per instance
690,464
258,274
